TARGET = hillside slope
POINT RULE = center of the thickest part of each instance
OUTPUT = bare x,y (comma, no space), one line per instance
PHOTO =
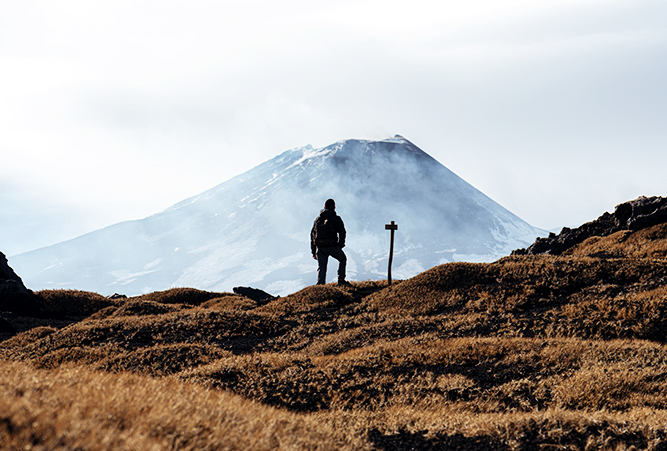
633,215
528,352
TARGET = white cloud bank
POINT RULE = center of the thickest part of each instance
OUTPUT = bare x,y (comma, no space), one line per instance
115,110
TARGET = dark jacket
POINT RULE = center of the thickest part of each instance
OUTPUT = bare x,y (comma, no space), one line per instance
338,223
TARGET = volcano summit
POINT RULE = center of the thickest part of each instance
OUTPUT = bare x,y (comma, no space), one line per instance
254,229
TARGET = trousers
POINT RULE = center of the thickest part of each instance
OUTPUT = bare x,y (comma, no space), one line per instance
323,254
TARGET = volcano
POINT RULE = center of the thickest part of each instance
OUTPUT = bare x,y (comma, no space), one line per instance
253,229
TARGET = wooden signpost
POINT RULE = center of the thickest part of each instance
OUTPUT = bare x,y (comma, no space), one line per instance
391,227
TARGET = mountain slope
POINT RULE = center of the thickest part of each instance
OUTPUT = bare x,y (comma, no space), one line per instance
254,228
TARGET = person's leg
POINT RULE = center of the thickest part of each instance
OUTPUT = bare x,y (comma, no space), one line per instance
322,260
339,255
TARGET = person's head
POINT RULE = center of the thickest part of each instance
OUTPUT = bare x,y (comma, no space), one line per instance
330,204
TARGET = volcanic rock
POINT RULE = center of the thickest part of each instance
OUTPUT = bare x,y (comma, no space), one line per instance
14,296
9,281
6,327
634,215
257,295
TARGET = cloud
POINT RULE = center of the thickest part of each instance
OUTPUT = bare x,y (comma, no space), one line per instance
123,108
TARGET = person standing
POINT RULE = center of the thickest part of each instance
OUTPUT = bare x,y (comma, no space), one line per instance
327,238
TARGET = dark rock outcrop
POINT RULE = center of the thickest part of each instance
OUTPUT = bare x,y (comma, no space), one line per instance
634,215
6,327
14,296
10,282
257,295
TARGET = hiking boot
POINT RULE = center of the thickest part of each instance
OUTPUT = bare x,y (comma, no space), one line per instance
344,283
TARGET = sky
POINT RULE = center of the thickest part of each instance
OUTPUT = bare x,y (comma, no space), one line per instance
115,110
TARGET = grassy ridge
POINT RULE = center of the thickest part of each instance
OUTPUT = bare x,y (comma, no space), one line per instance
566,352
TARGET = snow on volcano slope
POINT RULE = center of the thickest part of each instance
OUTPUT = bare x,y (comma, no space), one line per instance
253,230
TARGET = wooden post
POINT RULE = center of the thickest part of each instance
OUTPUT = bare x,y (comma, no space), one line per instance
391,227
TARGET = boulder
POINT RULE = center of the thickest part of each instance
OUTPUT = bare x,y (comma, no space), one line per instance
6,327
257,295
634,215
14,296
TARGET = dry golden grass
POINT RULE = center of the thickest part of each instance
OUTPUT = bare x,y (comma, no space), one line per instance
102,340
479,375
646,243
551,429
316,297
74,408
529,352
72,302
230,302
513,283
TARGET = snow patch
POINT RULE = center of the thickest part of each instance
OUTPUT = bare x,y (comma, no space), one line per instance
152,264
124,276
308,154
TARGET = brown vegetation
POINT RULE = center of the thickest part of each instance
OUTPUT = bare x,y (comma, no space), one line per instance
188,296
529,352
72,302
74,408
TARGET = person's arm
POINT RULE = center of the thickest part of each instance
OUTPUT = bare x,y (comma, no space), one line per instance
341,233
313,248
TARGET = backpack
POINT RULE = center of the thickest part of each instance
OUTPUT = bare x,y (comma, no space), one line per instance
325,232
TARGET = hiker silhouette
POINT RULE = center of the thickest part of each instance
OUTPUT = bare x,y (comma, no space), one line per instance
327,238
